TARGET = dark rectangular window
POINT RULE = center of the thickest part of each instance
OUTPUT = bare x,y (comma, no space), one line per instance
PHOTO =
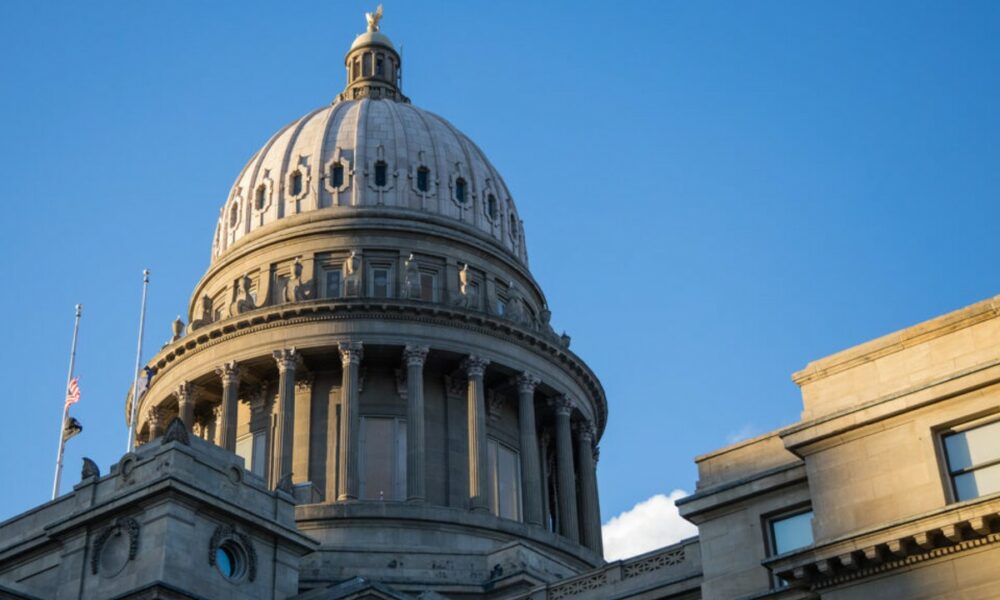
423,179
974,461
380,283
380,174
338,175
333,284
427,281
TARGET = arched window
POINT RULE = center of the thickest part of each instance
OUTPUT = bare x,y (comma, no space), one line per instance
234,214
461,193
260,197
423,179
357,68
379,65
381,173
491,206
337,174
295,182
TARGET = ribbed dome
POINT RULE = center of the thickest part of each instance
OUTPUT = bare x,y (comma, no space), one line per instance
371,153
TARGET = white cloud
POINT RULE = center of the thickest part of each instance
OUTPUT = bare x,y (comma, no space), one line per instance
743,433
650,524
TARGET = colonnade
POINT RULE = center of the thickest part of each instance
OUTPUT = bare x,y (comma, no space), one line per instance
575,465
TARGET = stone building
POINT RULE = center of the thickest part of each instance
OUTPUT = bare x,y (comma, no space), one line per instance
368,401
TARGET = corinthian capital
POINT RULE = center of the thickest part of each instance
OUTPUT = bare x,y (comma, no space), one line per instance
229,372
286,358
474,366
526,383
563,405
155,416
184,391
414,356
585,431
351,353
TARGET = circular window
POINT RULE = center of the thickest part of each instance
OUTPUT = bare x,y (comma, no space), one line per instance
231,560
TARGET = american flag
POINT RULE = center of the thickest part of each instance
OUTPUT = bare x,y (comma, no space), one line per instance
73,392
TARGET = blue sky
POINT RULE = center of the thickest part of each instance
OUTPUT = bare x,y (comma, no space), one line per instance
714,193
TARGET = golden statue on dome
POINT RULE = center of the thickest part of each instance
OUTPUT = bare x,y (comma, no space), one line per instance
374,18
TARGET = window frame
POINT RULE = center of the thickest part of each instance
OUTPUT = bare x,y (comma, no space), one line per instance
770,547
493,477
398,468
947,473
377,265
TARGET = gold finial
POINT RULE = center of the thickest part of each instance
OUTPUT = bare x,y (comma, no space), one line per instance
374,18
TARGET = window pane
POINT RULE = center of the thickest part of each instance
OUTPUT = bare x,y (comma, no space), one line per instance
977,483
333,284
423,181
973,447
244,449
380,174
426,287
296,183
492,488
509,482
376,457
792,533
338,175
380,283
259,454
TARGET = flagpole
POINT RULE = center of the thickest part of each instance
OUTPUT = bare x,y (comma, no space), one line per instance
138,364
62,421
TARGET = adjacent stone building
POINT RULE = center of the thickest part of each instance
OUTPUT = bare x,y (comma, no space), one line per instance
368,401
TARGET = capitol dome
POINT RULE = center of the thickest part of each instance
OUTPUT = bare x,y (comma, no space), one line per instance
365,152
369,339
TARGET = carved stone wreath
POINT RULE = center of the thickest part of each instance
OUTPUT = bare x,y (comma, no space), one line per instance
228,532
125,525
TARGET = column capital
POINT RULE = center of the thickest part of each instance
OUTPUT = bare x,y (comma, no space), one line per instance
474,366
526,382
304,381
287,359
351,353
415,356
155,416
229,372
185,391
585,431
563,405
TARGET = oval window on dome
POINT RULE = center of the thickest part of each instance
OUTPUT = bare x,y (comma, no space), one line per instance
337,175
491,206
381,173
461,191
423,179
260,198
295,182
234,214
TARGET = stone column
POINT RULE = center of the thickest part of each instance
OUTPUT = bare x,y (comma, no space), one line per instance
531,478
155,423
475,368
568,521
416,448
230,375
590,515
286,360
185,404
350,357
302,442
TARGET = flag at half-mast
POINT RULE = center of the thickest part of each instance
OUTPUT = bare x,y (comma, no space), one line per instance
73,392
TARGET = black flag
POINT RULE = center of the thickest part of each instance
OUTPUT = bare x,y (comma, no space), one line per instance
71,427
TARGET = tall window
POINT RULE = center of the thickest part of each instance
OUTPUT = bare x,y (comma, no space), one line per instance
383,458
333,284
423,179
381,284
337,174
974,460
296,183
234,214
381,173
260,198
504,479
461,193
253,449
491,206
428,286
379,65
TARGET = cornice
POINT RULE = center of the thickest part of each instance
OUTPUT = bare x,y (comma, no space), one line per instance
263,319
